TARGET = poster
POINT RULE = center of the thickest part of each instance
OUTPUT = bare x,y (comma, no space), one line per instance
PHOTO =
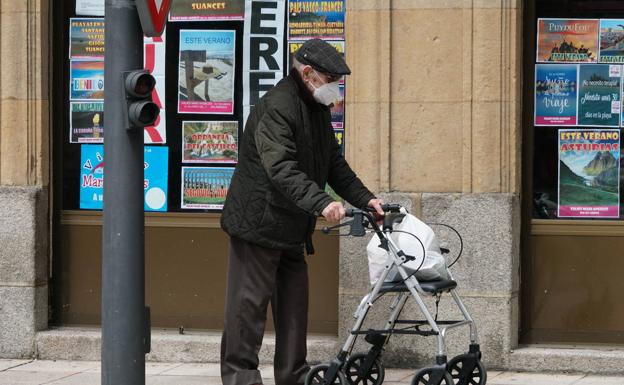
86,80
86,122
555,94
196,10
86,38
90,7
611,41
599,95
154,55
340,138
157,133
92,177
206,142
308,19
337,111
205,187
206,72
589,173
263,49
156,176
567,40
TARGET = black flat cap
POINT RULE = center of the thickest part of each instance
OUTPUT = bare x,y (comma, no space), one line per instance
322,57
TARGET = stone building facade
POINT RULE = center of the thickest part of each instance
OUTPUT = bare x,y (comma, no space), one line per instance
434,117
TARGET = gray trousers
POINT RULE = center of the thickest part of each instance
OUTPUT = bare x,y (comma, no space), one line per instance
257,275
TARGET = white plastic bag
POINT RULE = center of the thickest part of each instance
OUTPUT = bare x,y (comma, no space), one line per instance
434,266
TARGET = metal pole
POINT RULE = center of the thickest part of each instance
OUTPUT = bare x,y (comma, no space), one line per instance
123,261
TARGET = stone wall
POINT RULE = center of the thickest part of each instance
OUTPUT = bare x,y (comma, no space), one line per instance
433,122
24,170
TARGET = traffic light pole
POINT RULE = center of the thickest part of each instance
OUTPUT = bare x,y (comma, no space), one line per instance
124,319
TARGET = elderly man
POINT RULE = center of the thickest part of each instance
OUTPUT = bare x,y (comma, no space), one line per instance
288,153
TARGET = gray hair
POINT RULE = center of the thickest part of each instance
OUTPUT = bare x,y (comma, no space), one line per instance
297,65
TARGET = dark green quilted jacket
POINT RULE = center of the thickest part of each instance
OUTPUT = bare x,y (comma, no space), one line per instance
287,153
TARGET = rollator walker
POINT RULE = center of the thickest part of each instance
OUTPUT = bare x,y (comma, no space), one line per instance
367,368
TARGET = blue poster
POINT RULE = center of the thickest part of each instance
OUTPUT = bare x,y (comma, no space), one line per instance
91,176
556,92
156,177
156,165
599,95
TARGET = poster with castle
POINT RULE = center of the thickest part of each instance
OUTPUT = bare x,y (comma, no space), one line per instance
567,40
589,173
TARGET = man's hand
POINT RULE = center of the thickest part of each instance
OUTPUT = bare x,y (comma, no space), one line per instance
376,204
334,212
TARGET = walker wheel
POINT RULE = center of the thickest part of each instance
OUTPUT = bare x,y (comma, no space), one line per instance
432,376
356,375
316,376
467,369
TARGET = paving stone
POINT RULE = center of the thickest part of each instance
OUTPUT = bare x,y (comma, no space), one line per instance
8,364
57,366
16,377
80,379
516,378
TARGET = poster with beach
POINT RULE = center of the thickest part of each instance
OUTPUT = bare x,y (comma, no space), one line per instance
611,41
206,71
599,95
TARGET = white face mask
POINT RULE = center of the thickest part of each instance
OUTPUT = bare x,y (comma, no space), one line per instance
327,94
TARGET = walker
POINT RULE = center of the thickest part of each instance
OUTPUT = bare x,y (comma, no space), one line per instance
367,368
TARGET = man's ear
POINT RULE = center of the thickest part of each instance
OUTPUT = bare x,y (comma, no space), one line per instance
305,73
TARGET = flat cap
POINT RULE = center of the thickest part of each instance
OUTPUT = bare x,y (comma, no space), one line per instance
322,57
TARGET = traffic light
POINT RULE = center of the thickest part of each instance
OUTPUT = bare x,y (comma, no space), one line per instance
141,111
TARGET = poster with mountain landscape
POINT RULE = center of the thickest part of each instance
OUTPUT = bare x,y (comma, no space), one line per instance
589,173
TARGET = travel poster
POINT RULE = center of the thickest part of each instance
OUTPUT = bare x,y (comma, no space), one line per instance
340,138
90,7
156,176
206,142
86,122
599,95
195,10
205,187
86,38
567,40
154,57
157,133
308,19
555,94
92,177
206,72
337,111
611,41
86,80
589,173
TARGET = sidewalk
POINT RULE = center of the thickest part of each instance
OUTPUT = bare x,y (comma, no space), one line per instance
28,372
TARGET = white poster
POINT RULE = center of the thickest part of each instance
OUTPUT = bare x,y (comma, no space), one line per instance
263,49
158,132
90,7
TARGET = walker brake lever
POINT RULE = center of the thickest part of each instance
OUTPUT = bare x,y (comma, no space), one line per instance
327,230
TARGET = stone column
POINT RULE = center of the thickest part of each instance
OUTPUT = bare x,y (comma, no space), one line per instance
24,152
433,121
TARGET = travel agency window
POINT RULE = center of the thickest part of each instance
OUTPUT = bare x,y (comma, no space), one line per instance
573,240
208,75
